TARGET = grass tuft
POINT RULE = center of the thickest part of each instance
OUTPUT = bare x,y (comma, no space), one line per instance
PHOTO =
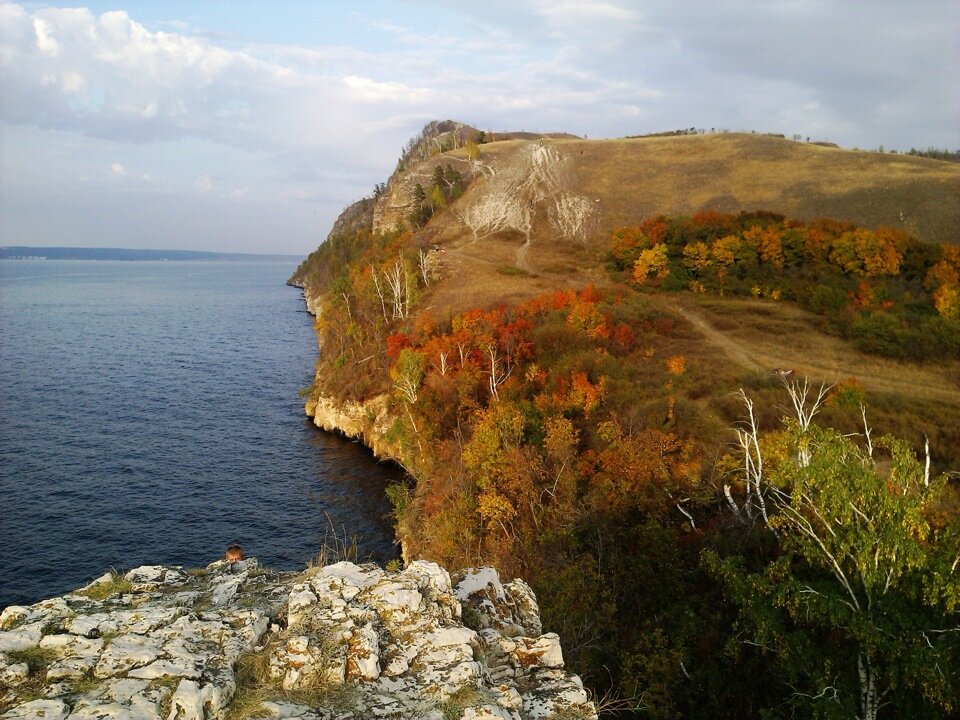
336,547
511,270
36,658
101,591
255,686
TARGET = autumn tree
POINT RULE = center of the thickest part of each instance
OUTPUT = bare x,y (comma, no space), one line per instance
768,244
494,457
864,252
696,256
652,263
407,374
724,250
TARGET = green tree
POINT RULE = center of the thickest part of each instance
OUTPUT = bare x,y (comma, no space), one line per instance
422,209
436,199
407,374
860,607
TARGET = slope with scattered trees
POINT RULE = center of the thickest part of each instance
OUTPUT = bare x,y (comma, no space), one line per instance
701,552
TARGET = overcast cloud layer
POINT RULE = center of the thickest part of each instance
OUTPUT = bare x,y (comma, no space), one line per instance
163,127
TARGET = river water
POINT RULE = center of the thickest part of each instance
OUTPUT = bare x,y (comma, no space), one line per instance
149,413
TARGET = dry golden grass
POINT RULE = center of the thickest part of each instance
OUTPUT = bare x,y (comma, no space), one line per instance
738,342
732,172
760,335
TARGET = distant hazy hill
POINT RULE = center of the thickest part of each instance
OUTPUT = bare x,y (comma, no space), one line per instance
72,253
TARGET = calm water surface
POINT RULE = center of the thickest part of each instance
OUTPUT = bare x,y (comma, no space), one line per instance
149,414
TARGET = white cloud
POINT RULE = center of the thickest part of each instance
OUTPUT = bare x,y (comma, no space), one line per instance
46,43
372,91
203,184
73,82
117,170
596,24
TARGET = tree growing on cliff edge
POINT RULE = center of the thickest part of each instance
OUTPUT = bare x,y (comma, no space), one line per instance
860,606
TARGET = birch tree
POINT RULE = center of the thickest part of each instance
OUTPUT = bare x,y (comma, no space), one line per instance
499,370
423,265
860,608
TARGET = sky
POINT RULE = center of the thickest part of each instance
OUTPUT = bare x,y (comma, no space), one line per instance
248,126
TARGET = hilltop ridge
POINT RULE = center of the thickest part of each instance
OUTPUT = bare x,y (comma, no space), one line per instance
547,204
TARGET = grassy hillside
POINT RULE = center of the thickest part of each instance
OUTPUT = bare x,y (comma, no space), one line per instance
624,181
732,172
566,407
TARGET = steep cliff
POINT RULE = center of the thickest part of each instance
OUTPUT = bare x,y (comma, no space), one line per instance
551,351
367,421
235,640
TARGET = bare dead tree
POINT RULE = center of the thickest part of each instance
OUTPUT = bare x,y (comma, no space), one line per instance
397,282
376,285
463,349
748,437
498,375
866,431
443,366
423,263
408,387
805,408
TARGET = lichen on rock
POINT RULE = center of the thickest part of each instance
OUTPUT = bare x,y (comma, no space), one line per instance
343,641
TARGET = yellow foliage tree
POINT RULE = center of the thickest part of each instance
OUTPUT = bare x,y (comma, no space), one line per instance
946,299
651,263
864,252
724,250
768,244
676,365
696,256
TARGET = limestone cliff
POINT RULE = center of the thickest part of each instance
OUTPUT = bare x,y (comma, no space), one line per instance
366,421
234,640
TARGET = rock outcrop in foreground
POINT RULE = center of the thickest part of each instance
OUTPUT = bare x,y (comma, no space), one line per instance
344,641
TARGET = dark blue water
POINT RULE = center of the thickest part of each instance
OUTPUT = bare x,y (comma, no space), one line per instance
149,414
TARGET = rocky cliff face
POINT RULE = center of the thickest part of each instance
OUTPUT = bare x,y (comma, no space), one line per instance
234,640
366,421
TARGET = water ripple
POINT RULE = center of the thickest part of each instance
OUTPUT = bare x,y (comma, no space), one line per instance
149,413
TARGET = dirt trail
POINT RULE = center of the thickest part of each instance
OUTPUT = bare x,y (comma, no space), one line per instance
931,383
734,349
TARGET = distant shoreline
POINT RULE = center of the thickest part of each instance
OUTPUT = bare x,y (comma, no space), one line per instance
24,252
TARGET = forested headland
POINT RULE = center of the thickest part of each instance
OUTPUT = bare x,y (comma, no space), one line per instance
720,444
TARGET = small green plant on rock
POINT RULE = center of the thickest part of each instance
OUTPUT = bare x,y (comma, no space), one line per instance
84,685
572,712
167,685
336,547
37,660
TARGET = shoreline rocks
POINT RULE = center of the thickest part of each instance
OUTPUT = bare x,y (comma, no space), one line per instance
234,640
